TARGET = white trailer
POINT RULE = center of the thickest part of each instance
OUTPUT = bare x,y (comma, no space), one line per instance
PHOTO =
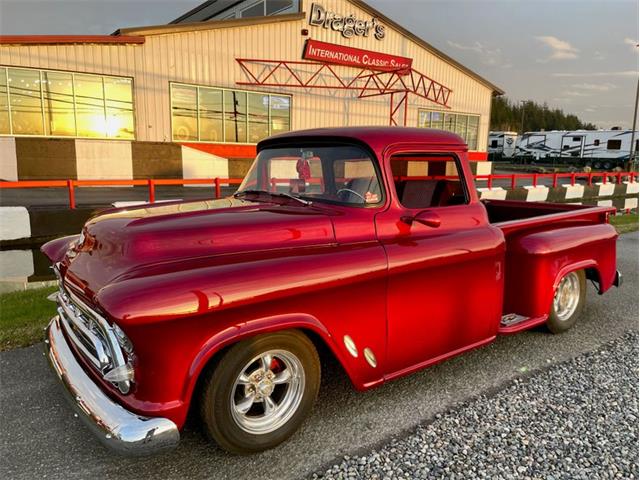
502,144
597,148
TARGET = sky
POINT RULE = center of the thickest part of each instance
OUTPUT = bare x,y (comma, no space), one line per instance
578,55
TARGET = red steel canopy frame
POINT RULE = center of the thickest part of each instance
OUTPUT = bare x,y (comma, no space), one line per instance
398,84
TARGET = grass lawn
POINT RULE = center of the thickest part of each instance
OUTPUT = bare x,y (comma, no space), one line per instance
625,223
23,316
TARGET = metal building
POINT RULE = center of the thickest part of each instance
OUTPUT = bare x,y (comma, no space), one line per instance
191,98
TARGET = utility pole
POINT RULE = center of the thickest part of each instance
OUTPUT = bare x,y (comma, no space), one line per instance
523,102
632,150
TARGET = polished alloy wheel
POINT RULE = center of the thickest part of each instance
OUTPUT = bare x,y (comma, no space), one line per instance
267,392
567,296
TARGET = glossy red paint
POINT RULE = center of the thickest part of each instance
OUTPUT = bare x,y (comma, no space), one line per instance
184,280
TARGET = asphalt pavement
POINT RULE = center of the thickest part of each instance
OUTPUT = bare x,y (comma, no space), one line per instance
39,435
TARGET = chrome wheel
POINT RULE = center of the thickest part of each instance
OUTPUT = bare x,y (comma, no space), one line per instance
267,392
567,296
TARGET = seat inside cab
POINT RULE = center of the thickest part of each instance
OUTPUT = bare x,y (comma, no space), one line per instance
426,181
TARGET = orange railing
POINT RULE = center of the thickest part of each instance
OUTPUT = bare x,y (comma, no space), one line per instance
217,183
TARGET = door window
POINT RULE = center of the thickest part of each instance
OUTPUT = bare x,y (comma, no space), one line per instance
426,181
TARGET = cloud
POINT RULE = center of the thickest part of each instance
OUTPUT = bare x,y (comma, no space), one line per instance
598,55
573,93
488,56
595,87
633,44
624,73
560,50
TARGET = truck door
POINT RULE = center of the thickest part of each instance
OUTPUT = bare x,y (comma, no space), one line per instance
445,267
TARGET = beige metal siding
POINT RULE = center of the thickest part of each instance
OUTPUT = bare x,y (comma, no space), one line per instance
207,57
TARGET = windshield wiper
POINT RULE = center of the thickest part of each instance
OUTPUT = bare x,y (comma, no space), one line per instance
271,194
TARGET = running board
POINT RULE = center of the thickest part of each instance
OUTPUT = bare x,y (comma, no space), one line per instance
513,323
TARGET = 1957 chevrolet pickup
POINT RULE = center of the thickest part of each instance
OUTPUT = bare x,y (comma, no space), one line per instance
369,244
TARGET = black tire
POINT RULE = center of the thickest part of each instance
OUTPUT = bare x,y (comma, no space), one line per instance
555,322
220,387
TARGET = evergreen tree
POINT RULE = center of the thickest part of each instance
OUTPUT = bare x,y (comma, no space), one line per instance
508,116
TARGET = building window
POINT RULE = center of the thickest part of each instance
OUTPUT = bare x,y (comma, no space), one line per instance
260,8
206,114
614,144
64,104
464,125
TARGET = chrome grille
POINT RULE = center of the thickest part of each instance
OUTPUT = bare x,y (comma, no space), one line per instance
90,333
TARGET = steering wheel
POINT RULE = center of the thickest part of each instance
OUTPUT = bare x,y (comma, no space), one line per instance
351,191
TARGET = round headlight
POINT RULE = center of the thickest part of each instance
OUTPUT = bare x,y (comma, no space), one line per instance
123,340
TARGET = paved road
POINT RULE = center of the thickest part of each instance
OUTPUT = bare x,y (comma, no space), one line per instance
39,435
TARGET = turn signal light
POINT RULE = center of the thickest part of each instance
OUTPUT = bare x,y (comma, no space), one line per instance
123,373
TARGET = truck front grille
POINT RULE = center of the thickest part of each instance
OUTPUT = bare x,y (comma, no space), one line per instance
91,334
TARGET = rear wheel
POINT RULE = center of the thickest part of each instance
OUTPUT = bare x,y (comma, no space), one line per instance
568,302
261,391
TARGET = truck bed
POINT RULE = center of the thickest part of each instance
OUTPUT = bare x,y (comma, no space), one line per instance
512,216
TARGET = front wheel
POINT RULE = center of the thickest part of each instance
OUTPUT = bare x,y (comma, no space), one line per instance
261,391
568,302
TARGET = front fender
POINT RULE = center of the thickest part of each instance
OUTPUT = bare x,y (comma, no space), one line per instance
238,332
56,249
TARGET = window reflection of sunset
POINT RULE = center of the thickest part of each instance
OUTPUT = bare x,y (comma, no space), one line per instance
53,103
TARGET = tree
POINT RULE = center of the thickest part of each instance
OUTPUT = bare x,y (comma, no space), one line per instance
506,115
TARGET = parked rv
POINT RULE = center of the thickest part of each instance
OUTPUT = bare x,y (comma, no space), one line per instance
502,145
596,148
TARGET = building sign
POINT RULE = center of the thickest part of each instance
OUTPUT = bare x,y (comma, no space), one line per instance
347,25
354,57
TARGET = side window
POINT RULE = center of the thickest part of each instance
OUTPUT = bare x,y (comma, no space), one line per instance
596,142
427,181
614,144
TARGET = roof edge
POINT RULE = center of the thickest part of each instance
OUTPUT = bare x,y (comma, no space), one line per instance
68,39
443,56
210,24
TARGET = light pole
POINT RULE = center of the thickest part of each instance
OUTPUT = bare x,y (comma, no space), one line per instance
632,150
523,102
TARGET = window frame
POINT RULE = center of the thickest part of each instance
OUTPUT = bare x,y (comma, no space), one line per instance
42,101
452,155
443,112
246,122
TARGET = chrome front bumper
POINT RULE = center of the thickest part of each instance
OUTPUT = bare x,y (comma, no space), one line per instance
116,427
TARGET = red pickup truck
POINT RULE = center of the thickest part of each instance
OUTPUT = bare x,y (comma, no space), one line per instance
368,244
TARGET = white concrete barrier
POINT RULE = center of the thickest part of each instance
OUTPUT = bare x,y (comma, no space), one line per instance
14,223
573,191
493,193
537,194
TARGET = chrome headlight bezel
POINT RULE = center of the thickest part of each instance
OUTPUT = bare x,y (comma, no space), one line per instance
123,340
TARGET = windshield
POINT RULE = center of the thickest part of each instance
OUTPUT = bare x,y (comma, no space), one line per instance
341,174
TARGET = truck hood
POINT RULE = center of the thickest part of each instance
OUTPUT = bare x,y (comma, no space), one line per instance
128,242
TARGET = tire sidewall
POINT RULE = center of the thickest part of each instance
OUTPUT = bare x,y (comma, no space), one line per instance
216,401
554,324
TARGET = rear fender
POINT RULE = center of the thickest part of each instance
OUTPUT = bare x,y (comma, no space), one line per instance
536,262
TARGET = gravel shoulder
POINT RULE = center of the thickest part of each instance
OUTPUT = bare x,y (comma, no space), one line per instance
577,419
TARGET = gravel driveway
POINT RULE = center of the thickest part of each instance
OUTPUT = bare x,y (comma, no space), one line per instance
574,420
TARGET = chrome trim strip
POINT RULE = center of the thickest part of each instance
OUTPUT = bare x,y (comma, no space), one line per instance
116,427
76,341
101,356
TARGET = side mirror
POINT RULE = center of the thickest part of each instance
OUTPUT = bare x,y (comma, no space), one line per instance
426,217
